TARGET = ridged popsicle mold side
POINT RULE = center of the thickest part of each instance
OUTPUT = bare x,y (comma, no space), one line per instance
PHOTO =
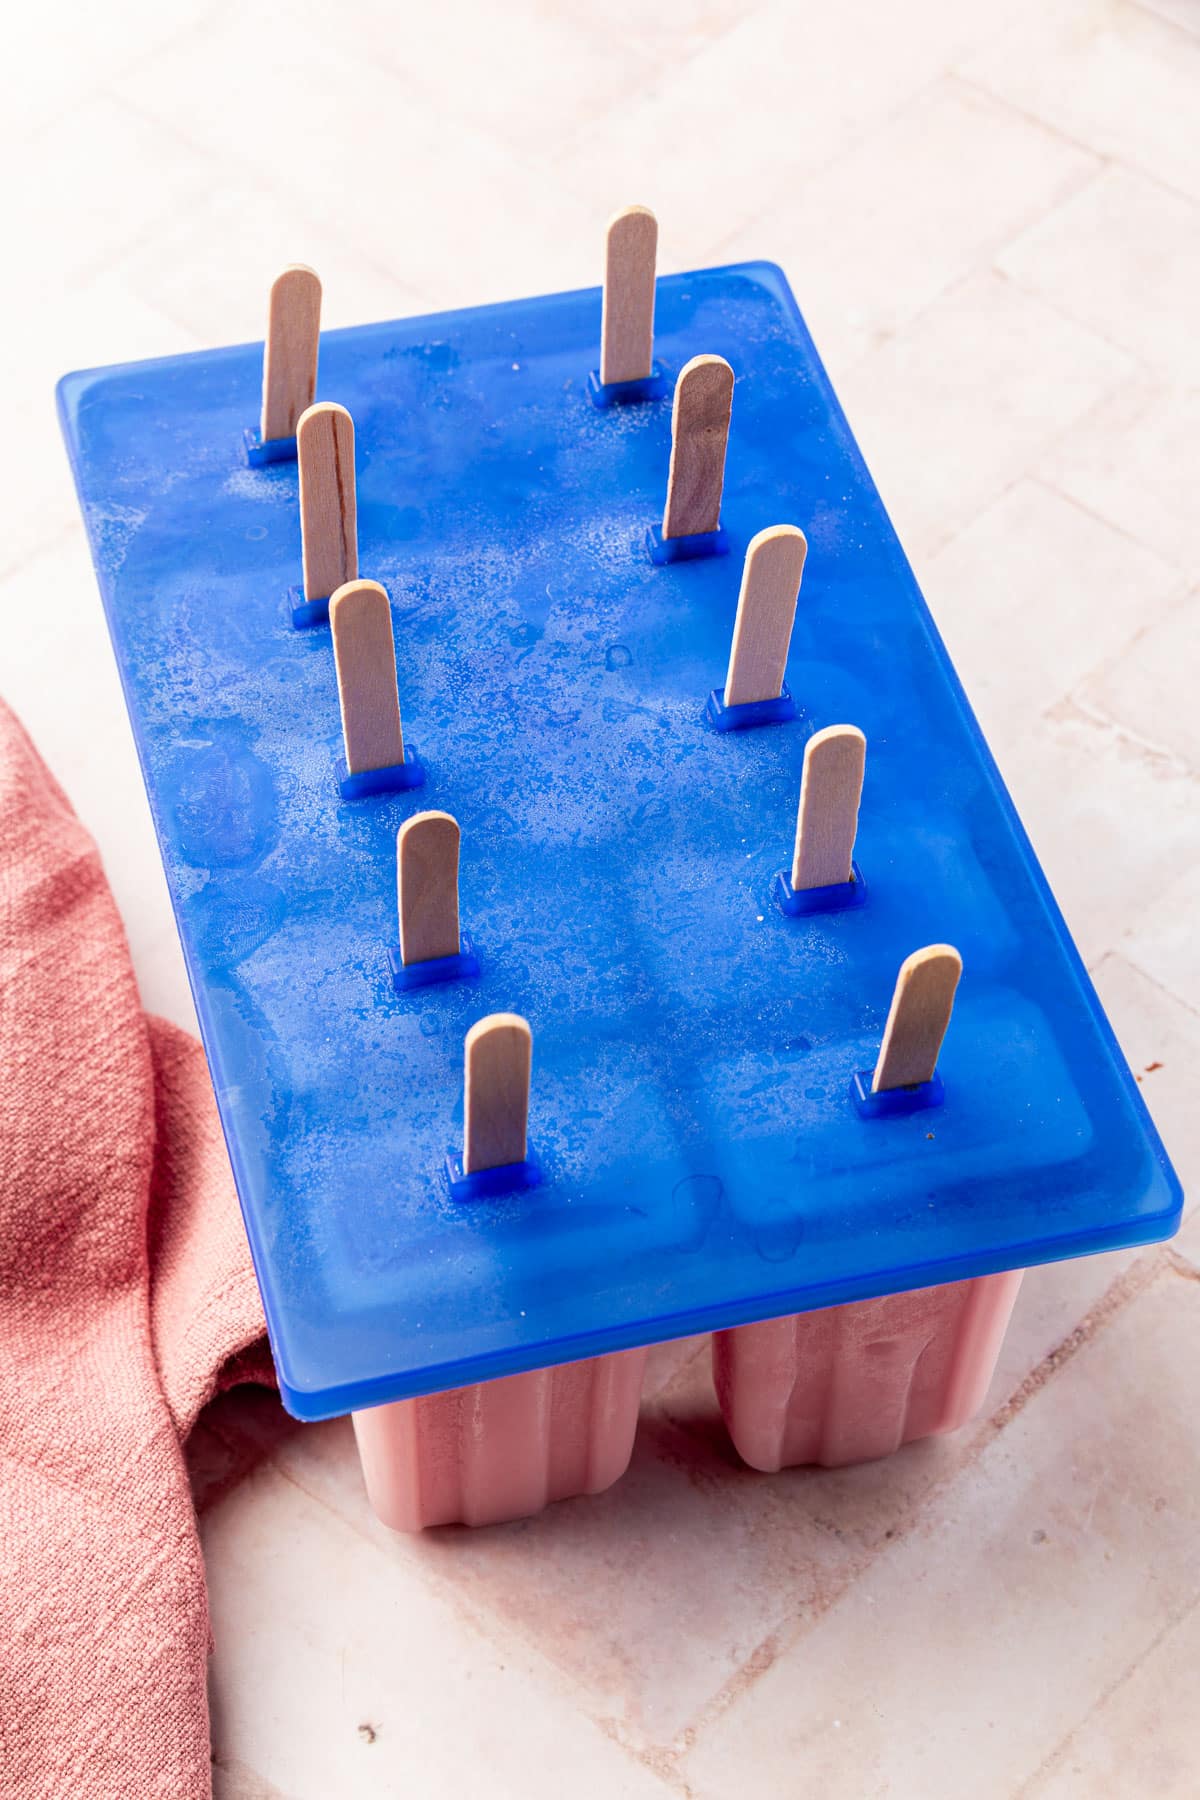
502,1450
852,1383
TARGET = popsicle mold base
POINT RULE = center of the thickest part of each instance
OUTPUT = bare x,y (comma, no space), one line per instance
852,1383
501,1450
845,1385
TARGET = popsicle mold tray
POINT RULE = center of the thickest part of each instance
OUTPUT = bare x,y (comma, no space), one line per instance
703,1160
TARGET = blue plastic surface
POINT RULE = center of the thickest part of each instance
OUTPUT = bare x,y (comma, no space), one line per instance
837,897
260,453
628,393
704,1160
751,712
434,969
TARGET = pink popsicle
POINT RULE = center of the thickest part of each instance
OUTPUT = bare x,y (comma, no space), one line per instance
852,1383
502,1449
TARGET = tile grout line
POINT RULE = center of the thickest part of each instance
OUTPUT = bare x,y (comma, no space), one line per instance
1048,482
861,139
1128,1285
1131,962
1112,159
1137,363
973,84
53,120
1072,709
1175,1619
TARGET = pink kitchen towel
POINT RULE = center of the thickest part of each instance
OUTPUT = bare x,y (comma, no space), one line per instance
127,1300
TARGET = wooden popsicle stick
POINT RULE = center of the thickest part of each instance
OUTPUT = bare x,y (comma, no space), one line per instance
827,820
699,431
290,351
427,886
499,1053
328,511
920,1013
627,325
766,612
360,618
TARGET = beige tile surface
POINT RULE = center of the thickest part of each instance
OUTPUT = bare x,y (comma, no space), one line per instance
726,133
1032,595
974,1646
1113,823
1131,461
1163,940
863,258
990,220
259,230
591,1584
65,53
1147,686
1109,74
533,75
346,134
1140,1736
1122,256
1160,1036
1184,13
367,1681
987,366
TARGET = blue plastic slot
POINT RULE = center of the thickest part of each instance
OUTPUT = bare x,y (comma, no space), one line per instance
689,548
260,454
839,896
894,1103
627,393
487,1184
306,613
751,712
693,1049
434,969
393,779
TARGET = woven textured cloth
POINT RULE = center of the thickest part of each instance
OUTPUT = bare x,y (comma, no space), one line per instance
127,1299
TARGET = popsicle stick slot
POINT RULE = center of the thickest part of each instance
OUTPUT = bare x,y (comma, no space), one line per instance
917,1021
627,324
290,353
431,947
498,1054
364,652
328,510
699,434
827,818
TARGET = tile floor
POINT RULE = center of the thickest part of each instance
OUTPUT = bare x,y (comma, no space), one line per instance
992,219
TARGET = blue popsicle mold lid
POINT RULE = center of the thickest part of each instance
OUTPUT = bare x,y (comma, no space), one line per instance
702,1159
